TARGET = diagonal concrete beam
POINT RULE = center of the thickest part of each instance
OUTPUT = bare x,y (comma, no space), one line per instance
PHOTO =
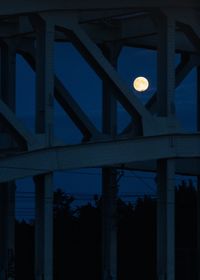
67,102
104,69
192,32
74,111
107,153
183,69
18,129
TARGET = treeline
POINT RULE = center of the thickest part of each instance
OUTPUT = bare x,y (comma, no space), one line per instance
77,239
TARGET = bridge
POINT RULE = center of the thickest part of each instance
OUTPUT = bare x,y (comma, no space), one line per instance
153,140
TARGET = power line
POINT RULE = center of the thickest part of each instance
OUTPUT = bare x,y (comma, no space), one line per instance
141,179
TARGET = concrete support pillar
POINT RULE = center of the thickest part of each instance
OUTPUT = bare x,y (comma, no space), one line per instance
166,66
44,126
198,228
44,227
111,52
165,168
7,87
7,231
8,74
109,222
45,79
109,178
198,177
166,220
7,190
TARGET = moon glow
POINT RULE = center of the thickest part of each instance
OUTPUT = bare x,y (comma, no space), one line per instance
140,84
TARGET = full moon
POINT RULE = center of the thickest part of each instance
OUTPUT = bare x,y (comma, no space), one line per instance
140,84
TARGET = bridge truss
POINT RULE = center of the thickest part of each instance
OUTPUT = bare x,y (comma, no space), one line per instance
153,141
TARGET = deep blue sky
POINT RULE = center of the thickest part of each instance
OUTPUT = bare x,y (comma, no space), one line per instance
86,88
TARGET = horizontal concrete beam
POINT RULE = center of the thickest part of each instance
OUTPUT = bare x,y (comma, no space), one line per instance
189,166
106,26
98,154
8,7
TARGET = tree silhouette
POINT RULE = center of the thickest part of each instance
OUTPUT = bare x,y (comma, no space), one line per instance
186,231
24,261
77,238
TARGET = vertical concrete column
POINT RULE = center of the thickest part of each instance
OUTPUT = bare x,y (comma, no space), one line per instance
44,126
109,175
109,121
44,227
166,220
166,168
7,190
198,228
7,86
109,224
8,73
198,177
45,79
7,231
166,66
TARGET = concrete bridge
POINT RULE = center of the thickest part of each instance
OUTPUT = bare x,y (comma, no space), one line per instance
153,141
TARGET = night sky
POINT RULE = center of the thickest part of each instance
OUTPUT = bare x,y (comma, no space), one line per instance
86,88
